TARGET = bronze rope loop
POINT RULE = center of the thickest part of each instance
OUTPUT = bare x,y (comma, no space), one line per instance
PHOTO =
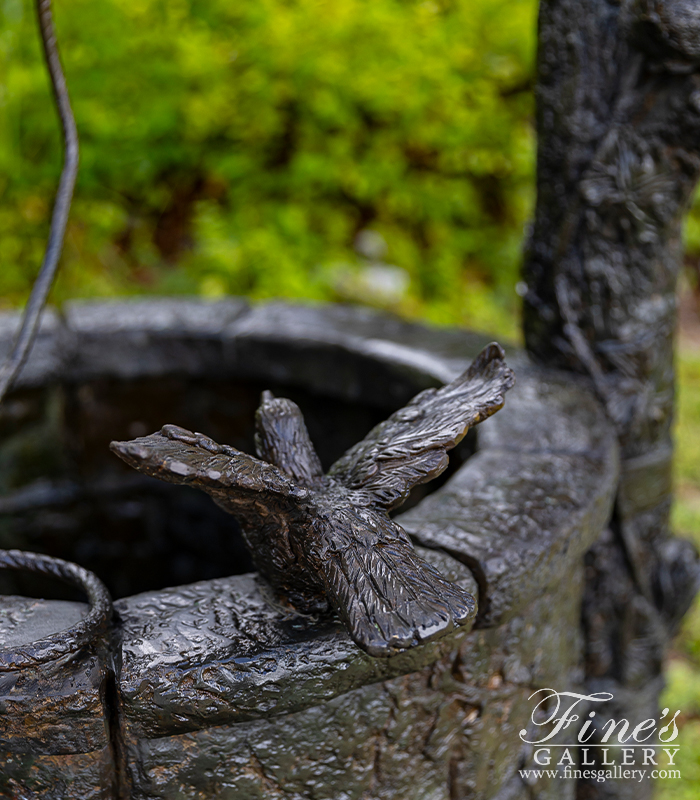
70,640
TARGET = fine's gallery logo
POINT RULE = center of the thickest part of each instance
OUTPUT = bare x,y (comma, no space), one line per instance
576,734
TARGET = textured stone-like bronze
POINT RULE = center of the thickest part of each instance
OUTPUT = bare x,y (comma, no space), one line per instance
214,691
618,125
327,540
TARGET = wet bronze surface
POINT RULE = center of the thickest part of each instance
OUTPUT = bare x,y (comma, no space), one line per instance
211,688
327,540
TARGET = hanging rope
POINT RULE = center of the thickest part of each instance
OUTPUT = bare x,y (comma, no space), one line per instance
42,286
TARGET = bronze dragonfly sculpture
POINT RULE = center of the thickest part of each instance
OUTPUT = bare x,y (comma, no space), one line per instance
327,540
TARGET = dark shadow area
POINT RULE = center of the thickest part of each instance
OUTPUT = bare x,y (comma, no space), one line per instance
65,494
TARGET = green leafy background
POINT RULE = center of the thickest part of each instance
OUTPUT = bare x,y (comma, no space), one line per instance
241,148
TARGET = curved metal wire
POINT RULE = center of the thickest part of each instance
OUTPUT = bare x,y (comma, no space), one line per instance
70,640
40,291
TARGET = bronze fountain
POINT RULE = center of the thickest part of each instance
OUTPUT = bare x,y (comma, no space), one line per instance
543,556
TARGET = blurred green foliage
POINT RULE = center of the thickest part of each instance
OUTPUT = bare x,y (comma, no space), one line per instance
683,671
241,147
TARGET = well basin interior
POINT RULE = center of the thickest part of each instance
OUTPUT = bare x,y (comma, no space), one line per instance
62,492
